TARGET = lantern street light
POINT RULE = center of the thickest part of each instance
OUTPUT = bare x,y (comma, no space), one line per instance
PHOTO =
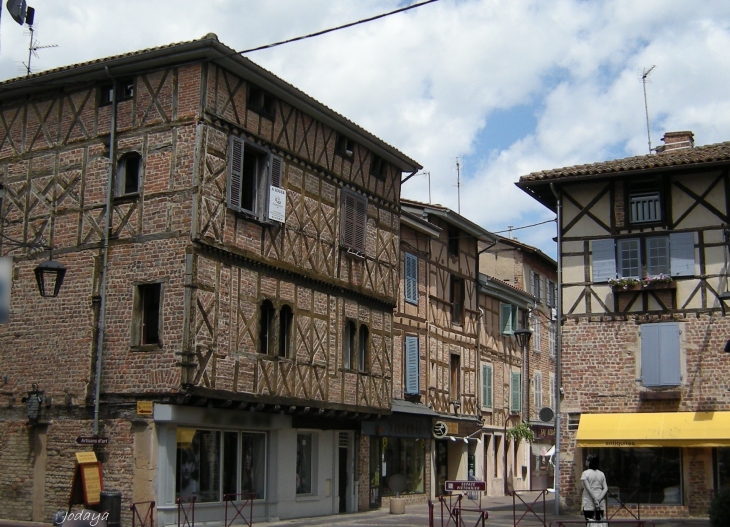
49,276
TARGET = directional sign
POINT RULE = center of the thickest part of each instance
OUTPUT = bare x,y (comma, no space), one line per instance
440,429
92,440
465,485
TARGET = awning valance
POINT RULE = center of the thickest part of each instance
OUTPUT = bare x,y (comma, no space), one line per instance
678,429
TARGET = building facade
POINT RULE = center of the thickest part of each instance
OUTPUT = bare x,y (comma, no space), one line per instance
644,249
232,259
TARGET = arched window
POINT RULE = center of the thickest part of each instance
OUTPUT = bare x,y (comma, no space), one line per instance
266,327
348,346
128,171
364,348
286,317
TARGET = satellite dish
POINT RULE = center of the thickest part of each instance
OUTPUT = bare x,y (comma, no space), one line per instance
17,10
546,414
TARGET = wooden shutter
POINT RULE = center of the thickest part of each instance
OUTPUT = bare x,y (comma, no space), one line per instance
411,365
516,392
411,278
235,172
276,169
361,217
538,390
486,386
682,253
354,220
505,318
604,260
660,355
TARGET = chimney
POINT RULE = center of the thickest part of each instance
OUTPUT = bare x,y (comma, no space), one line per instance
677,140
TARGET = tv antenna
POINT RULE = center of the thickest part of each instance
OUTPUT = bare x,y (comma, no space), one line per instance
458,186
644,78
22,13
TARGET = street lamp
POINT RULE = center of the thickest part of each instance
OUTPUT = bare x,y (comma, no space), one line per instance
523,336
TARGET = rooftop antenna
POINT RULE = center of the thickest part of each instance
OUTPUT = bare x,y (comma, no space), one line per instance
22,13
644,78
428,174
458,187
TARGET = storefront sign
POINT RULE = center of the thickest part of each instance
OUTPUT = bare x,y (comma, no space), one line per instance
402,425
465,485
87,481
92,440
440,429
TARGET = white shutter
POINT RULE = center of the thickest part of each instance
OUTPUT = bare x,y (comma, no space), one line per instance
682,253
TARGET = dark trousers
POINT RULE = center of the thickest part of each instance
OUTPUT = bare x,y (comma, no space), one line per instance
596,515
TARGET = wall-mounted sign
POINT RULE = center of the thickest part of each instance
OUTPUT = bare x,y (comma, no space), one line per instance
92,440
440,429
464,485
277,204
144,407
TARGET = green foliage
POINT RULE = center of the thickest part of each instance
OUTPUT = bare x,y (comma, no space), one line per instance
720,509
521,431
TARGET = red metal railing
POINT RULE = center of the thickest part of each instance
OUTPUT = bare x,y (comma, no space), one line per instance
530,507
245,502
185,512
453,511
148,520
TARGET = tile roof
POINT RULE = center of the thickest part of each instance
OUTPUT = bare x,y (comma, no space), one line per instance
671,158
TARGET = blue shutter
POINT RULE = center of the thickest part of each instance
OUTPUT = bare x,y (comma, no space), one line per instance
604,260
486,386
411,365
505,318
516,389
660,355
411,278
682,253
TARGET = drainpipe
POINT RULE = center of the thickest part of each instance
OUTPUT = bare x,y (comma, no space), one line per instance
558,346
101,328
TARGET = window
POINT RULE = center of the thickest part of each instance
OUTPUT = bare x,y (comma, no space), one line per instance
646,256
487,385
515,404
261,102
252,170
551,294
407,457
286,317
364,348
644,202
508,316
128,170
304,478
660,354
455,384
537,381
453,234
552,343
209,464
354,220
411,366
536,328
536,289
348,347
411,278
266,327
457,300
146,316
345,147
552,392
125,92
378,167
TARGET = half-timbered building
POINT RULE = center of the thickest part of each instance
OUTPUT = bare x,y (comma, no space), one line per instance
644,248
226,319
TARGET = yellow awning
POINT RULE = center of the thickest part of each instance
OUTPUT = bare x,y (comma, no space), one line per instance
689,429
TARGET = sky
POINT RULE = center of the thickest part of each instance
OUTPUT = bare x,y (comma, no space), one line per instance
507,87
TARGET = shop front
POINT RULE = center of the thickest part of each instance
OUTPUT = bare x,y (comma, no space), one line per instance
455,450
542,471
400,445
658,460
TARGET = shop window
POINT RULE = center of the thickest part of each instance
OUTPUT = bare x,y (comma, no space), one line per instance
261,102
457,300
348,347
660,354
304,476
286,319
146,315
411,278
515,404
128,172
211,464
364,348
508,315
487,385
411,365
721,459
406,457
266,327
354,220
455,381
643,475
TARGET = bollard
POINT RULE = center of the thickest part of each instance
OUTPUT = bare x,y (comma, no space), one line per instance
111,501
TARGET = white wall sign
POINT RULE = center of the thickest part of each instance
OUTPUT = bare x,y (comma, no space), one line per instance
6,282
277,204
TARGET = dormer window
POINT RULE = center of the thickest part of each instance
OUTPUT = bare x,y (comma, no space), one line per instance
644,202
345,147
261,102
125,92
